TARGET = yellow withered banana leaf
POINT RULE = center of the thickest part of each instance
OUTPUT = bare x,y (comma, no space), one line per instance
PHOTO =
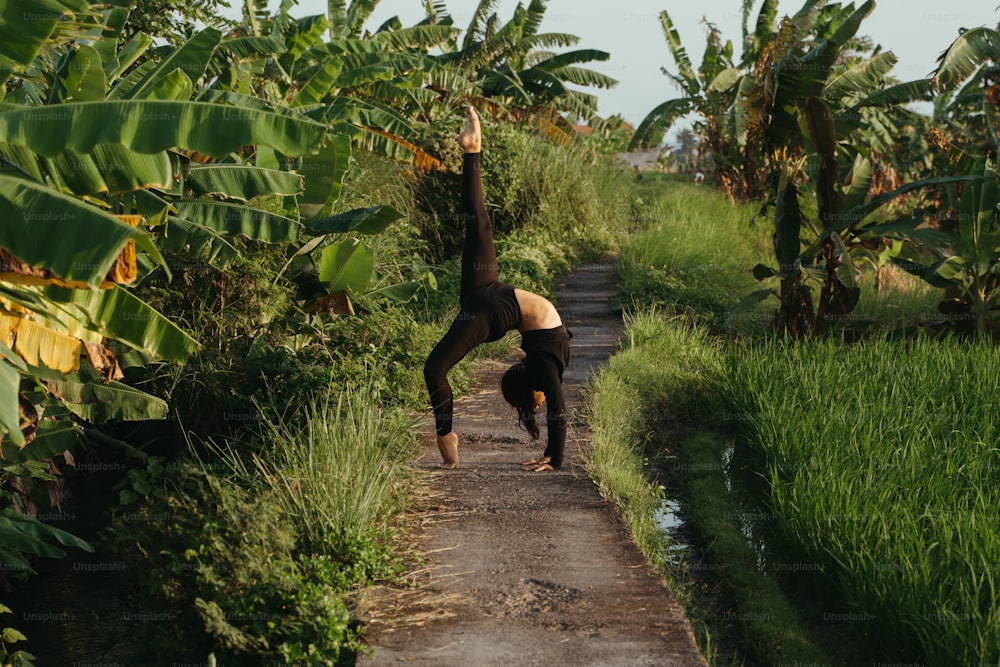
39,345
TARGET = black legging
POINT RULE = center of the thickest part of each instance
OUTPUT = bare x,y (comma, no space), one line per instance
488,307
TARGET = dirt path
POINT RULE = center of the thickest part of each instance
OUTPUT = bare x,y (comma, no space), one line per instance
529,568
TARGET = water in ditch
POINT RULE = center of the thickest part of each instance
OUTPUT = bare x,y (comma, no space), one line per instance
744,487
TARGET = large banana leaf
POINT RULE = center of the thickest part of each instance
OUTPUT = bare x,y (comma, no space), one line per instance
324,176
420,37
862,175
320,84
688,78
766,26
371,220
191,58
10,382
200,242
966,54
238,219
582,76
866,75
364,75
20,162
111,169
154,126
53,231
347,265
97,402
52,437
127,56
127,81
901,93
659,120
477,23
85,80
247,48
104,36
243,182
39,531
978,214
174,86
39,345
306,33
119,314
787,223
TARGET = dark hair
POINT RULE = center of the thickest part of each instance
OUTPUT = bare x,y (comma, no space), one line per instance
517,391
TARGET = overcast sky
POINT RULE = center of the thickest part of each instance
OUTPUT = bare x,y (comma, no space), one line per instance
917,31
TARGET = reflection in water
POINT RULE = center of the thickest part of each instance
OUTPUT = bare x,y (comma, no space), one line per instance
745,490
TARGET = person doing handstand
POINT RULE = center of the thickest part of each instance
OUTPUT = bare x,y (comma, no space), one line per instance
489,309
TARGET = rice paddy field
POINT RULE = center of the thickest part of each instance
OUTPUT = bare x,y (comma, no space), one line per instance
863,479
882,462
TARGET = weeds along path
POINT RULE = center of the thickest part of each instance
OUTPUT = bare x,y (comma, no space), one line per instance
527,568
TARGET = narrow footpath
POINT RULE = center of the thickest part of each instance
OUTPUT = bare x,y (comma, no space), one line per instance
524,568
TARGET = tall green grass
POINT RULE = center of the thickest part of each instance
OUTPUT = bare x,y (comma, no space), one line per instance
340,471
884,472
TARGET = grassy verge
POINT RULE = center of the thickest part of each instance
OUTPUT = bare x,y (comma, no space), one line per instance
255,556
694,257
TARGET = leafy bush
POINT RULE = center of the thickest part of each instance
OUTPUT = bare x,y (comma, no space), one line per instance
215,566
571,200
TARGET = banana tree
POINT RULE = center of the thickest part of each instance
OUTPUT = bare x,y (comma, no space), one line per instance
713,91
380,83
113,138
809,103
967,264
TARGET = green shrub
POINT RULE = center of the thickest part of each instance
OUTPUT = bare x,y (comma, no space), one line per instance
564,198
215,567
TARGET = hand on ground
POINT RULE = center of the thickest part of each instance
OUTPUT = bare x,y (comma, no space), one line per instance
471,138
538,465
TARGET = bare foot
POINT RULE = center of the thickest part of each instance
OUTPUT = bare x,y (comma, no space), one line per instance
448,446
471,138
